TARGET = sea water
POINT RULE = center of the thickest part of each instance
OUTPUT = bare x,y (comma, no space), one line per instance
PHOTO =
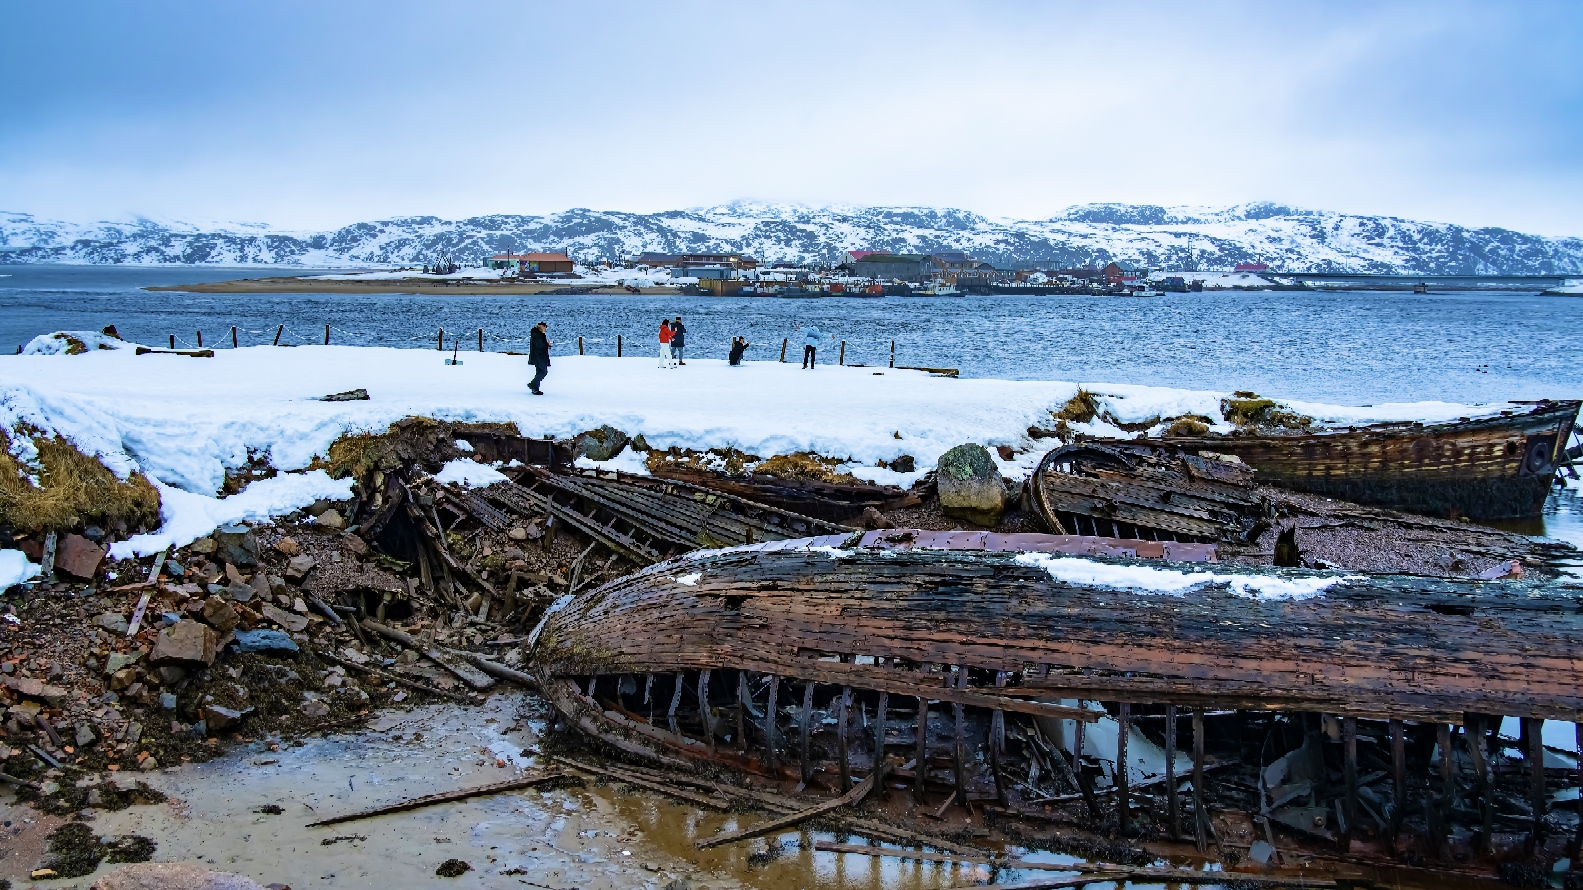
1350,348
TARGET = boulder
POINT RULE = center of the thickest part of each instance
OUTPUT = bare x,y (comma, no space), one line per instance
236,544
904,464
293,623
357,546
603,443
121,679
185,643
265,641
113,622
286,546
219,614
330,519
216,718
202,545
969,485
77,556
299,567
85,735
172,876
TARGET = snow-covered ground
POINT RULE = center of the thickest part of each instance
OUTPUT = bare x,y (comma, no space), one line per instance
1217,280
589,276
184,421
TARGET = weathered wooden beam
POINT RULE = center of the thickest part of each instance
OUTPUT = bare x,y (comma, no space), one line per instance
851,797
1200,801
1123,770
921,751
1537,799
1173,803
446,797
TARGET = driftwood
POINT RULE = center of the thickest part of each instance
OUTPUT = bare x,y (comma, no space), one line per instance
1135,491
394,678
856,795
445,797
465,672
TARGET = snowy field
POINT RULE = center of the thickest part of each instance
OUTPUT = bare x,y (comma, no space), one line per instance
184,421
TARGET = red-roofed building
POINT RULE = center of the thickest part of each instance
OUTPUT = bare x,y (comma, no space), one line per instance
535,263
1252,267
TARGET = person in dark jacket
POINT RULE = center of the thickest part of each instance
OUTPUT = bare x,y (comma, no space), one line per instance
539,356
678,340
739,345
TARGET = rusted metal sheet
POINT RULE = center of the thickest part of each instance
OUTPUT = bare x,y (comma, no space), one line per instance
1485,468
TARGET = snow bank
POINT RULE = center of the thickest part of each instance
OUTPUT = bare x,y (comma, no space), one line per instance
185,517
61,342
15,568
464,471
184,421
1147,579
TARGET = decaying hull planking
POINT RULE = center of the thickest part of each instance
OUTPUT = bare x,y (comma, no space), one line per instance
966,672
1486,468
1139,491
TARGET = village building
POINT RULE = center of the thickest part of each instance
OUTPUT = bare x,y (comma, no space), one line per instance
533,263
1124,273
1252,267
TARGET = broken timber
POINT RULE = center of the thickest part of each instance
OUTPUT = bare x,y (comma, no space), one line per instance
851,797
446,797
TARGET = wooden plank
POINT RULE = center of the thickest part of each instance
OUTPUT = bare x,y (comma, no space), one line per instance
851,797
445,797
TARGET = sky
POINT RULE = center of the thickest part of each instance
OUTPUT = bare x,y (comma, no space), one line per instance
312,115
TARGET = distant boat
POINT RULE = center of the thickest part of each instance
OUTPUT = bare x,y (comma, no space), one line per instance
1421,288
939,289
1144,291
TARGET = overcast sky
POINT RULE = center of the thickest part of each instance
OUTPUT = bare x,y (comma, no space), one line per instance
317,114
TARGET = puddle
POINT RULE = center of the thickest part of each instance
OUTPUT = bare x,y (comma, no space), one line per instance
587,837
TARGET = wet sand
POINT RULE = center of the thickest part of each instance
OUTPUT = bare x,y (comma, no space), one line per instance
293,285
590,837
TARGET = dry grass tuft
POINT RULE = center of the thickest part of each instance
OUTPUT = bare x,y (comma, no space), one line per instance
1188,425
804,466
1250,411
1081,408
74,490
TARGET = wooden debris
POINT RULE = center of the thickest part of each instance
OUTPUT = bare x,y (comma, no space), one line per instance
446,797
395,678
859,792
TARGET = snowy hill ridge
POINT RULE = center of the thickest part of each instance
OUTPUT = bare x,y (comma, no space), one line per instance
1173,238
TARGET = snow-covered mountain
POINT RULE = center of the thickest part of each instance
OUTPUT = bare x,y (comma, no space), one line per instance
1175,238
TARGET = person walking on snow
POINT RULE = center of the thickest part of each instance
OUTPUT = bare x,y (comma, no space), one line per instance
665,343
810,345
678,340
739,345
539,356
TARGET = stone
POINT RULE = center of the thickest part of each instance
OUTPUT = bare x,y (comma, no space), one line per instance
318,507
185,643
640,443
600,444
113,622
170,673
872,519
172,876
217,718
149,764
134,732
356,545
315,709
122,678
265,641
293,623
299,567
77,556
119,660
167,700
29,687
236,544
202,545
220,614
969,485
298,606
330,519
85,735
287,547
904,464
517,533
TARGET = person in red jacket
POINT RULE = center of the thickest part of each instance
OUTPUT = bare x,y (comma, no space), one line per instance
665,344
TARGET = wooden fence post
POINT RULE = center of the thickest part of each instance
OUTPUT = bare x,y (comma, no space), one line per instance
200,339
893,353
480,339
279,329
842,359
440,345
326,335
172,341
579,345
233,336
783,350
618,346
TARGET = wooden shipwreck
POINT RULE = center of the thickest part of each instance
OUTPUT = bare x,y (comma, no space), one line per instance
973,674
1483,468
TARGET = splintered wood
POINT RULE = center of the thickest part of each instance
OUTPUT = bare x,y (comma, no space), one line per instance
1386,648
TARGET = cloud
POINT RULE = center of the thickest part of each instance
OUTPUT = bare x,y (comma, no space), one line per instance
313,115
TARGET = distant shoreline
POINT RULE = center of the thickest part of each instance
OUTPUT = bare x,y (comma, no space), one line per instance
288,284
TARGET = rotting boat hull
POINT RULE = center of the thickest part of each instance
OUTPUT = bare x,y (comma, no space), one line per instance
1485,468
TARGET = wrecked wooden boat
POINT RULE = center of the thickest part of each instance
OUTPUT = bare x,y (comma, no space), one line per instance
1137,491
829,501
1017,678
1146,490
1481,468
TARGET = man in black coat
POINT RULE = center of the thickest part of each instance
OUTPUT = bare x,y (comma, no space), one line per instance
539,356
